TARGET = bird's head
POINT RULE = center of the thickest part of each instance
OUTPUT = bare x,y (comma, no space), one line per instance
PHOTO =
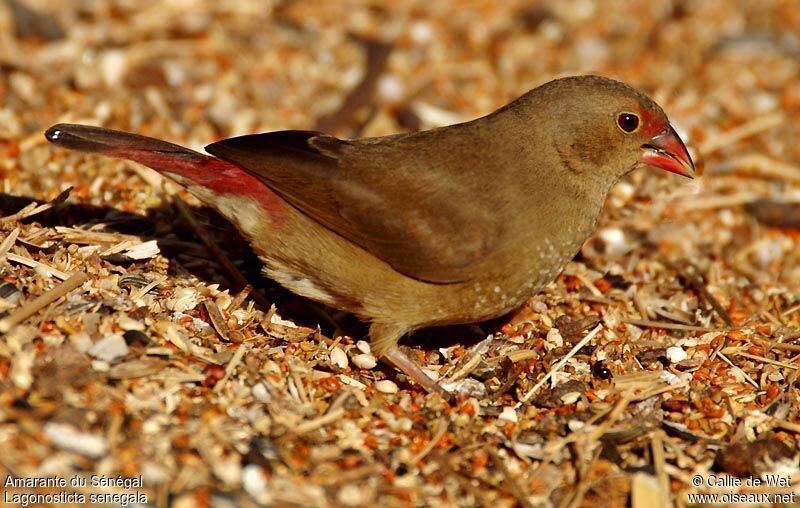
604,126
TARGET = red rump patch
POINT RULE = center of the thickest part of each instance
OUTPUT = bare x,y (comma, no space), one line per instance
217,175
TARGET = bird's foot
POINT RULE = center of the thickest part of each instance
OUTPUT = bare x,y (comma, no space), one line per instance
402,362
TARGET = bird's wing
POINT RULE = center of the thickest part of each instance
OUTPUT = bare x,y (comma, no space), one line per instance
400,198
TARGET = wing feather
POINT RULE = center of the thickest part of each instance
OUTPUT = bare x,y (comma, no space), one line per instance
397,197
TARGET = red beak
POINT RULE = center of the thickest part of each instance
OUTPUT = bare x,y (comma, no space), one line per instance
667,151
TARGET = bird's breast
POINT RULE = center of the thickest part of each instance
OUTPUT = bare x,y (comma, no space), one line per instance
527,271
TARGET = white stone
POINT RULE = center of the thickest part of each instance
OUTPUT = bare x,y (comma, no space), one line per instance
109,348
421,32
128,323
228,469
81,341
113,65
391,88
508,414
576,425
261,393
354,494
69,438
615,241
676,354
255,483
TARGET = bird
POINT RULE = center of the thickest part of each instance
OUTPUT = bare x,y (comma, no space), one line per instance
453,225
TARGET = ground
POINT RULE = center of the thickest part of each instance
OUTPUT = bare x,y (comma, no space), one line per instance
159,364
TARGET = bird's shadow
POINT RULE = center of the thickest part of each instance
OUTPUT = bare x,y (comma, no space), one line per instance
167,226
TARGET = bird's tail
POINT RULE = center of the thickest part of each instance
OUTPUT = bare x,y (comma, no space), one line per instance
193,169
154,153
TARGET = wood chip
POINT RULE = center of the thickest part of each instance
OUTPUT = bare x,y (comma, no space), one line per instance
43,300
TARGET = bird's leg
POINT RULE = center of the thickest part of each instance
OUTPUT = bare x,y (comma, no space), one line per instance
384,342
401,361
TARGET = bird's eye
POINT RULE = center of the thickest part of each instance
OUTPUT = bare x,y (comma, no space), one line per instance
628,122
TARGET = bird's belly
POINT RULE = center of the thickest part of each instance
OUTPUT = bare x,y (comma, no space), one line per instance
494,296
310,260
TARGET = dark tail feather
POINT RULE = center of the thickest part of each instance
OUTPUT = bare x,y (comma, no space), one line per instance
154,153
185,166
86,138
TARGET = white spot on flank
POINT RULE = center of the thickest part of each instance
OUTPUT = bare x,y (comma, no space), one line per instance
297,284
497,289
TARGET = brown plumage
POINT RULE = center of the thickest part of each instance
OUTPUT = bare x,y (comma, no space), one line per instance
453,225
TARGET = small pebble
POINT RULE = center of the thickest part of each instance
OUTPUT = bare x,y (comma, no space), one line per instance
386,386
101,366
576,425
390,88
21,370
68,438
365,361
508,414
109,348
676,354
228,469
113,65
24,85
255,483
615,241
261,393
355,495
81,341
421,32
624,191
127,323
